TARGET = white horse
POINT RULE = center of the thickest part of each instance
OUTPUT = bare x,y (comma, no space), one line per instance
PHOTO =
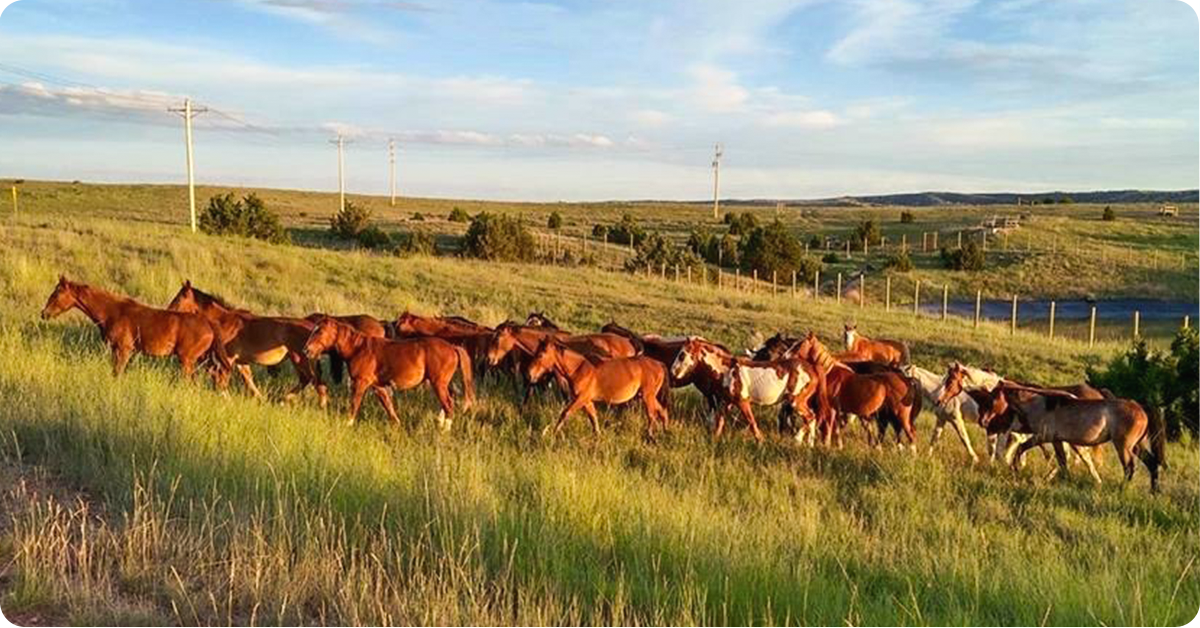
974,379
956,411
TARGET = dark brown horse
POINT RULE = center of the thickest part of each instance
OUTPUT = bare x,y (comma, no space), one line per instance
251,339
613,381
453,329
887,396
891,352
378,364
128,326
663,349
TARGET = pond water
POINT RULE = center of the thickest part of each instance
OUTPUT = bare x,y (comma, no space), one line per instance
1106,309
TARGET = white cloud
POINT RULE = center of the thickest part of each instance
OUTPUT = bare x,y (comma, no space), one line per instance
815,119
651,117
716,89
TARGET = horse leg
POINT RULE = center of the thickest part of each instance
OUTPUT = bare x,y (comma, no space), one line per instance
248,379
1152,464
960,427
574,405
384,395
748,414
1085,454
590,409
441,389
937,431
993,452
1014,442
1060,456
360,387
120,358
1021,448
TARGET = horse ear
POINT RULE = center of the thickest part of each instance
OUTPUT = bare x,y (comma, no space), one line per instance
62,278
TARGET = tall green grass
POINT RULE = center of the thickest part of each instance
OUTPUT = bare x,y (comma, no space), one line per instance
212,509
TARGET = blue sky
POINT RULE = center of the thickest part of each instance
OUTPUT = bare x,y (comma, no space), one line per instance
612,99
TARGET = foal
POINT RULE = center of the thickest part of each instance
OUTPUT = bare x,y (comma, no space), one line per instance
890,352
613,381
379,365
129,326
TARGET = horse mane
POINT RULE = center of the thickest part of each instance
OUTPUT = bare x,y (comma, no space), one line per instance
210,299
462,320
545,320
614,328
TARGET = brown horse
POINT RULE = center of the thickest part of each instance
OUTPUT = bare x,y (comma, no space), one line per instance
891,352
1051,416
521,341
128,326
365,323
378,364
888,395
664,350
613,381
453,329
251,339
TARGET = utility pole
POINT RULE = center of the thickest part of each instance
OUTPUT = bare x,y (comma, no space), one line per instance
341,145
716,165
189,112
392,170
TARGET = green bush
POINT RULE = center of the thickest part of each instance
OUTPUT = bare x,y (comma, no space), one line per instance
499,238
1109,214
866,230
907,217
1162,381
349,221
554,221
969,257
418,216
248,217
773,249
816,243
374,238
414,243
626,231
899,262
459,214
599,231
831,258
741,224
655,251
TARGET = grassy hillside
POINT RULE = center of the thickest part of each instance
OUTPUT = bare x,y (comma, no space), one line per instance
206,509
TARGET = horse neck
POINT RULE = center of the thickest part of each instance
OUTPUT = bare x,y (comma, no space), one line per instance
569,363
97,304
928,380
348,342
981,379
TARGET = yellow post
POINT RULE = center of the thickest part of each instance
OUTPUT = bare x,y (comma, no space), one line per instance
14,194
839,288
862,290
816,284
1053,306
1092,327
1137,323
945,299
887,297
1012,330
978,304
917,297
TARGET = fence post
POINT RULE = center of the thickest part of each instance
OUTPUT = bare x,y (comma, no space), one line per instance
689,274
1137,323
677,273
887,298
917,297
774,282
754,282
945,299
978,305
737,279
1053,307
849,255
866,249
793,284
1187,320
1012,330
935,239
816,284
960,238
662,269
1092,327
904,243
924,241
839,288
720,278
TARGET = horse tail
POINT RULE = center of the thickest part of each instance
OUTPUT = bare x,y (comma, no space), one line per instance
914,398
664,390
1157,433
216,350
904,353
464,363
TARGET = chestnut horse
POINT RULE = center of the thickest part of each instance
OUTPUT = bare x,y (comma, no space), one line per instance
614,381
887,395
522,341
739,382
364,323
890,352
251,339
379,364
128,326
453,329
663,349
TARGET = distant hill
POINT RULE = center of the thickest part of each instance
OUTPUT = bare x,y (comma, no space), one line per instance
929,199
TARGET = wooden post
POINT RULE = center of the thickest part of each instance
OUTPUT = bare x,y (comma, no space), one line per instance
662,270
945,299
1053,307
978,306
924,241
960,238
904,243
866,247
793,284
754,282
720,278
677,273
917,297
1092,327
689,274
848,254
1187,321
862,290
816,284
14,195
1013,323
839,288
887,297
774,282
935,239
1005,240
1137,324
882,243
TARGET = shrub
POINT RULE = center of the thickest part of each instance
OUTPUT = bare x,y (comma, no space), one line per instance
418,216
969,257
499,238
815,242
899,262
349,221
248,217
554,221
374,238
773,249
459,214
655,251
599,231
414,243
1162,381
626,231
741,224
1109,214
866,230
831,258
728,251
907,217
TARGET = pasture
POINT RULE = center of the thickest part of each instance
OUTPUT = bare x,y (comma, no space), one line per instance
201,508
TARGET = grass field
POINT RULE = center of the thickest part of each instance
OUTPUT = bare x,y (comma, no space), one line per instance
207,509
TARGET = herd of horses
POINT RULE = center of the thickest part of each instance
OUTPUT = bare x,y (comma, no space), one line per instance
820,394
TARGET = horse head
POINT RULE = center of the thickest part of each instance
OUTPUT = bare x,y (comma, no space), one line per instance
952,383
503,340
61,299
689,356
405,322
324,335
849,335
545,357
185,299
